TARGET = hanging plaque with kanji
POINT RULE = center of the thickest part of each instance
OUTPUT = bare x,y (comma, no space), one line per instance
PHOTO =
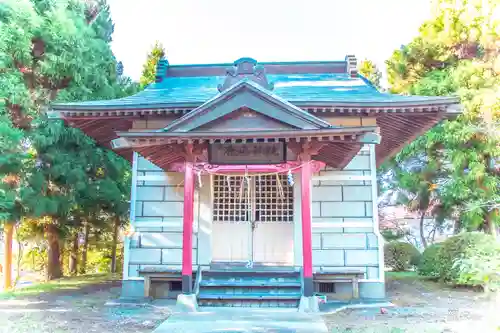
247,153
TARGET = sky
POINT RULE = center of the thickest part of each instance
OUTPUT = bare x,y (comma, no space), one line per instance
221,31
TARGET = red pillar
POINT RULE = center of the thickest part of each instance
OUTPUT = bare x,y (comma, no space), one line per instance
187,229
306,177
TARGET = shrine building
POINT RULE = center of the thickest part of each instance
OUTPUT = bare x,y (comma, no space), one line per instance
254,184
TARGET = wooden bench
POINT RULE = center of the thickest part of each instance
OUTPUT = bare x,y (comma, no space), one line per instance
352,277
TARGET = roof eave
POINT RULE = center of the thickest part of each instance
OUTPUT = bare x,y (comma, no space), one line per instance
250,134
365,135
185,105
133,107
442,101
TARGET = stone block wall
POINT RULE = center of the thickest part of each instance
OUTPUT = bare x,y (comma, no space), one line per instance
157,241
344,231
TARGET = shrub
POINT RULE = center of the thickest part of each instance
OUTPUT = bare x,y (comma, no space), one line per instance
429,264
391,235
480,270
471,258
400,256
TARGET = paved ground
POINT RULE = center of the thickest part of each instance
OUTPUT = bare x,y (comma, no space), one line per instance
243,320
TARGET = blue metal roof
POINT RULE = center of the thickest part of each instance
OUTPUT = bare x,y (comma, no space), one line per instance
300,89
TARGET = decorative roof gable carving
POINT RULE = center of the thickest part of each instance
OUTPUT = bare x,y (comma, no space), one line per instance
245,68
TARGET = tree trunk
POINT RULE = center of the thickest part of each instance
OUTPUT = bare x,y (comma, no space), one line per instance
490,225
20,252
8,232
422,233
86,231
53,253
116,227
73,255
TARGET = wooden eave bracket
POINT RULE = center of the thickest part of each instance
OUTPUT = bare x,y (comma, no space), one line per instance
453,111
120,143
54,114
370,138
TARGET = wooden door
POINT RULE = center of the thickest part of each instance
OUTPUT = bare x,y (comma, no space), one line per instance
252,219
273,225
231,227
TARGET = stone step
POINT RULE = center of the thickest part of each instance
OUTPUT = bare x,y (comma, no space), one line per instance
250,273
249,290
249,283
250,303
250,296
244,265
256,287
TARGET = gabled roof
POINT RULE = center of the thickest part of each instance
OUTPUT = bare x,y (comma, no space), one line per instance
247,94
300,83
285,96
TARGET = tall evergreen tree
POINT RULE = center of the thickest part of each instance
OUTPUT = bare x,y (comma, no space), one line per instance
55,51
11,157
149,68
456,52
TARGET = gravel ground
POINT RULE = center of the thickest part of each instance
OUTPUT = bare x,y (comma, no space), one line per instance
423,307
84,310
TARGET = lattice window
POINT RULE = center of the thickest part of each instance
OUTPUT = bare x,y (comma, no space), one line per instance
266,198
273,199
231,202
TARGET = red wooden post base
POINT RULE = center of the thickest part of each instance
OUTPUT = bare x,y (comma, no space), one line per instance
187,230
306,176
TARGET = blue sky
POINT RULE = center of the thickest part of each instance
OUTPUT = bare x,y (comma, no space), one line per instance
214,31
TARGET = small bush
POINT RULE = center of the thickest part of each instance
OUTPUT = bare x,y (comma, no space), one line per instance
471,258
429,264
480,270
401,256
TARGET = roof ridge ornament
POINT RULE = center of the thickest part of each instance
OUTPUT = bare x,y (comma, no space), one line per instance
245,68
351,66
161,69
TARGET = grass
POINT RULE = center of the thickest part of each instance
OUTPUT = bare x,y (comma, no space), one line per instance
63,284
406,275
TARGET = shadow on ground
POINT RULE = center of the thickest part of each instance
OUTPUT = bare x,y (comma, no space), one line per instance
82,310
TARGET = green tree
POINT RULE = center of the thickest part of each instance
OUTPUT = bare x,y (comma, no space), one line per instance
412,179
369,70
149,68
11,157
56,51
456,53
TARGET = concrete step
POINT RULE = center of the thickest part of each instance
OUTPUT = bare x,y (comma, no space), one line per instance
249,283
249,273
255,266
237,287
249,291
250,303
247,296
